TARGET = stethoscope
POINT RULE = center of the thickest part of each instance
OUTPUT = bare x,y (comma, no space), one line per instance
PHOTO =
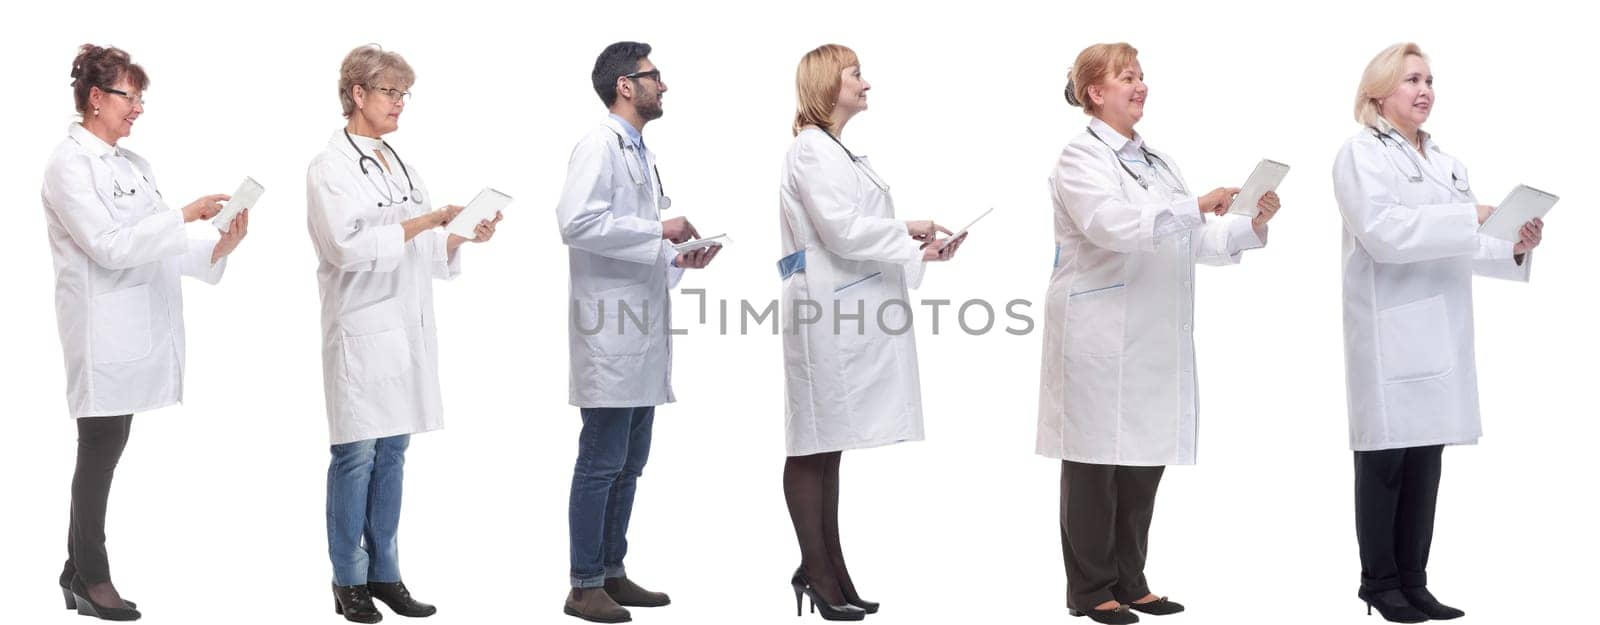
387,190
118,192
860,163
1151,160
638,175
1416,165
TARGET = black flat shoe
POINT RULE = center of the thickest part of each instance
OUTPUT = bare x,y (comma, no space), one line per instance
1423,600
399,599
1159,607
829,612
87,607
1115,616
1392,605
355,603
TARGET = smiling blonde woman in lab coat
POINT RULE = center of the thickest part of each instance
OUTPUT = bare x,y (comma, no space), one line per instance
852,383
119,252
1411,247
1117,398
378,249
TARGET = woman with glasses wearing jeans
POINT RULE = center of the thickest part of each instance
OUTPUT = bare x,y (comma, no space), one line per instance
119,252
379,248
852,381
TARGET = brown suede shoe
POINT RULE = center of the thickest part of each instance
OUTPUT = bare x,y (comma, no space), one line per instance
593,604
625,592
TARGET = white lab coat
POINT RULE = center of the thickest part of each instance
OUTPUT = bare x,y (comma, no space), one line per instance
118,252
1410,250
1117,380
380,350
851,378
621,269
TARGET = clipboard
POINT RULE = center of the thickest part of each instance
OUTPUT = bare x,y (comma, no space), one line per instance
246,197
1266,177
484,206
1523,204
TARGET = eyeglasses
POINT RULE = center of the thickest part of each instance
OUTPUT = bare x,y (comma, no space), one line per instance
395,95
654,74
137,100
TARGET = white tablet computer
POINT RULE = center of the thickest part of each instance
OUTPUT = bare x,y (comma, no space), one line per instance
690,246
246,197
946,241
1522,205
483,207
1267,176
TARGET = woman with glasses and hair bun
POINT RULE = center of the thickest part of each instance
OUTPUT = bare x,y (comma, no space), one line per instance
119,252
1117,396
378,248
852,380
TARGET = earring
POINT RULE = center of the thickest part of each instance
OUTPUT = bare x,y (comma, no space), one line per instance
97,111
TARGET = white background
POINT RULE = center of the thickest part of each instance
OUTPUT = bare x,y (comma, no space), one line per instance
217,513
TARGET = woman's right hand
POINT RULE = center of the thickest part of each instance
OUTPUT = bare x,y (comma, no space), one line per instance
1218,200
1484,210
429,220
442,216
205,207
925,230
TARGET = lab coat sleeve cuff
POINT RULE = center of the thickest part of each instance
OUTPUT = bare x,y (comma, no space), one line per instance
1180,216
197,261
389,247
1496,260
674,272
446,264
915,270
1242,235
173,235
1492,248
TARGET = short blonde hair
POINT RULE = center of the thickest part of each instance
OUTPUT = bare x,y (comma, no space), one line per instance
1383,74
816,85
1094,64
366,65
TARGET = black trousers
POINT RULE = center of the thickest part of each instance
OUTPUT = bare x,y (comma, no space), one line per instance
1396,490
100,444
1105,529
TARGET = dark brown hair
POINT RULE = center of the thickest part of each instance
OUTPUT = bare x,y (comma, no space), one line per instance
102,67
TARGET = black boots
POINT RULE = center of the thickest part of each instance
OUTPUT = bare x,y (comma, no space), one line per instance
399,599
1392,605
355,603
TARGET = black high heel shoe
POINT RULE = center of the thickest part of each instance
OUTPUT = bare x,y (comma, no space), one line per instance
870,607
1423,600
829,612
355,604
66,592
1392,605
87,607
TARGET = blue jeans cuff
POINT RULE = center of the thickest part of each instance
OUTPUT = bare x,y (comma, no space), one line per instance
596,581
614,571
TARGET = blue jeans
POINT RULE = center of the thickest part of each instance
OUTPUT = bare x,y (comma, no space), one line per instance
612,450
364,481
